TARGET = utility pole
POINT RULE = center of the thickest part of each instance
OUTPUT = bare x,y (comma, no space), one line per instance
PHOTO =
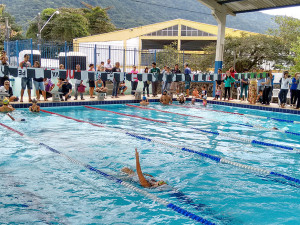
7,29
39,28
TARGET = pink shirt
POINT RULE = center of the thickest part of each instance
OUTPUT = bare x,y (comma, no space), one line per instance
134,75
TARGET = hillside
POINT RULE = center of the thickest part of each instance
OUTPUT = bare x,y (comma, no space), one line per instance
132,13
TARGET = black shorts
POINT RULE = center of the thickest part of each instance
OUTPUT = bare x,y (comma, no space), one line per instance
91,83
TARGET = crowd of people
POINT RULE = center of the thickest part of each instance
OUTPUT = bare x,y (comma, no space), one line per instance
260,90
255,90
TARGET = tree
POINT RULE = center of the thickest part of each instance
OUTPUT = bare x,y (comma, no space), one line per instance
288,30
99,21
71,23
15,31
296,49
249,51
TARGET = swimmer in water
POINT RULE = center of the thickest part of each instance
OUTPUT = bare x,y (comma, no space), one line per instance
181,99
13,119
6,106
144,101
34,107
146,183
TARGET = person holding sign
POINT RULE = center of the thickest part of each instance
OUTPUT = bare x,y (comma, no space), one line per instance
25,80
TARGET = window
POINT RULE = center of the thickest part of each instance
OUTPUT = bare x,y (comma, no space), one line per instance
169,31
189,31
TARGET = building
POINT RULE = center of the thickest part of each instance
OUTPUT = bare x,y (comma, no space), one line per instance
138,46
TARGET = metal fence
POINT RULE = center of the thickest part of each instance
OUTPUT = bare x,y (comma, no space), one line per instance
51,55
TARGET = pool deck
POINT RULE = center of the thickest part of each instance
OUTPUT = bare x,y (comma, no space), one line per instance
130,99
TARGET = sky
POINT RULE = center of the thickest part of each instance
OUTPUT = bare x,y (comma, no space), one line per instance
290,11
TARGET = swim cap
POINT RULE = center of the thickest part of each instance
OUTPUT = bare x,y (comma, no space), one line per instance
5,101
144,98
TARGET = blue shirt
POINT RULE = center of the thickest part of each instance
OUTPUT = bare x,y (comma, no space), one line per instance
294,84
187,71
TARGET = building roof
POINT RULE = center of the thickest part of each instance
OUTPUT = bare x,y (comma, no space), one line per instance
243,6
143,30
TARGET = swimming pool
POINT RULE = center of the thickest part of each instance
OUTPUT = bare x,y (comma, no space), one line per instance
38,186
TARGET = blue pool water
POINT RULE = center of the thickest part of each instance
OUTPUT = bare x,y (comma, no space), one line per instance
39,187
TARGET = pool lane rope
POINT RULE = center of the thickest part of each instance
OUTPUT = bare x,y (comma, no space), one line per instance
199,117
114,179
241,114
205,155
246,140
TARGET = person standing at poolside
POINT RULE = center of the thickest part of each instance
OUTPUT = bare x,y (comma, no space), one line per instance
115,82
156,71
91,82
3,62
146,83
175,84
135,81
228,81
293,90
244,86
39,83
260,86
298,91
233,85
187,72
284,88
25,81
77,84
267,88
168,76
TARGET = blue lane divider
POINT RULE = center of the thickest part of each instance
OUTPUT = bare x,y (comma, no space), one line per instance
271,145
218,159
282,120
188,214
289,132
241,124
214,158
286,177
112,178
249,140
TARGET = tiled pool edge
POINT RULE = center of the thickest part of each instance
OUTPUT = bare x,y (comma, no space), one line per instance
107,102
60,104
271,109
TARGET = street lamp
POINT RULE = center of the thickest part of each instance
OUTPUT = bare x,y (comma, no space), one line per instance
39,25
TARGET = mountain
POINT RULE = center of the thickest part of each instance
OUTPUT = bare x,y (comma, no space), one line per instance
133,13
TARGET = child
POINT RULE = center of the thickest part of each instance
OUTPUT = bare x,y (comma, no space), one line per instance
260,96
123,87
218,93
144,101
204,95
195,93
81,90
34,107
